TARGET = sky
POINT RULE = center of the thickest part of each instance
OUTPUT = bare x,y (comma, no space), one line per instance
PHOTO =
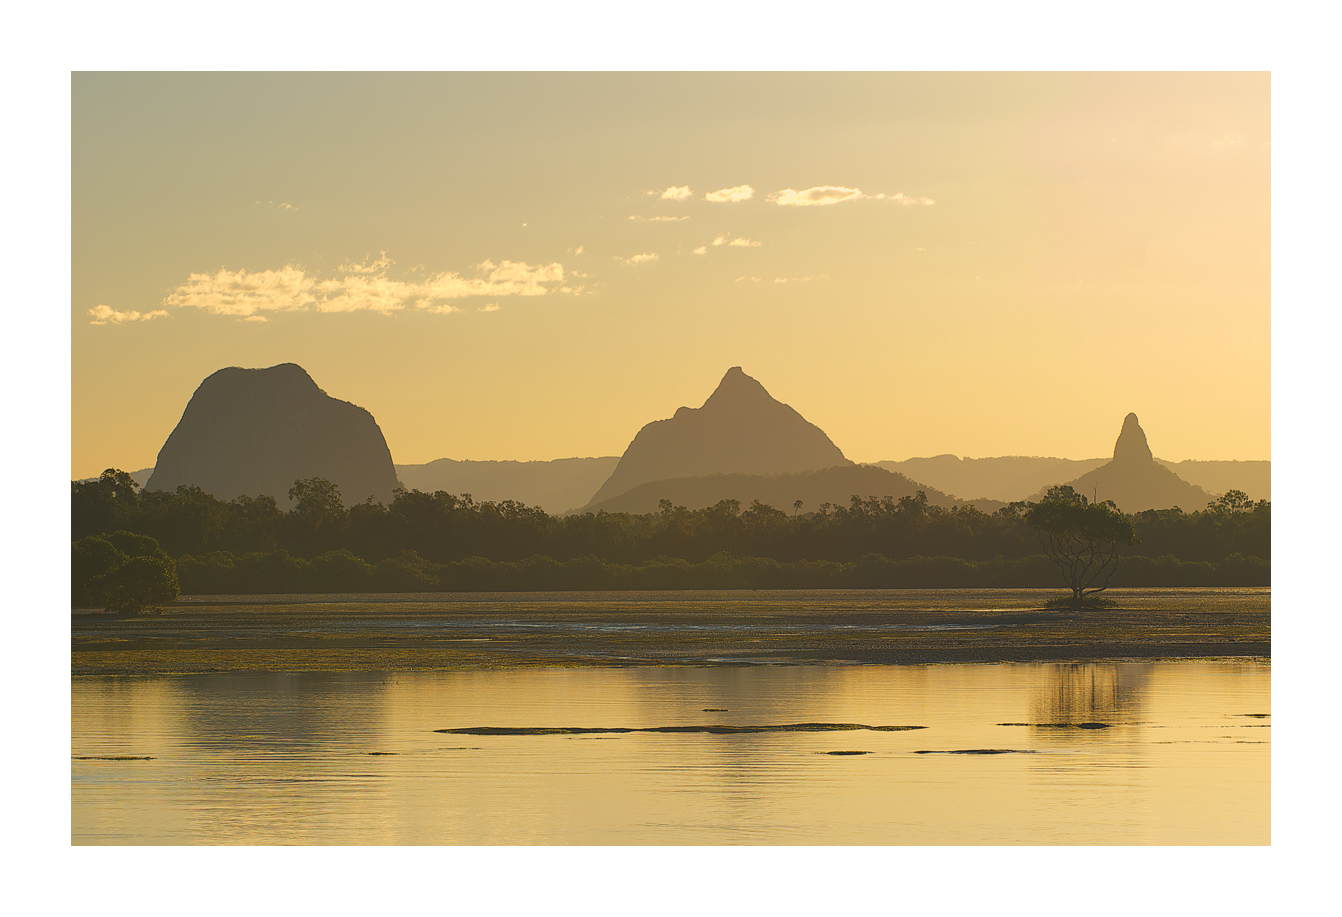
533,266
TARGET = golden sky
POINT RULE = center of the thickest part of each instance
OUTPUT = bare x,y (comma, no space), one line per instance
534,266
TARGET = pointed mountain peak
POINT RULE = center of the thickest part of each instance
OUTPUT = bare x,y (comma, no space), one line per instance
737,386
1131,445
740,429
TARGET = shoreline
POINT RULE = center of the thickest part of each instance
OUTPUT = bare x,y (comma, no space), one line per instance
289,634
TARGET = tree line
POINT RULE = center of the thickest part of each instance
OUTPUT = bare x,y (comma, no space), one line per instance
431,541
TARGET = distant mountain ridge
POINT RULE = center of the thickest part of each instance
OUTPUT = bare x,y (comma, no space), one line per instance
835,485
741,428
248,432
555,486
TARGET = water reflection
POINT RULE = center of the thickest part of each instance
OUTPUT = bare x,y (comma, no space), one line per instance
275,758
1091,692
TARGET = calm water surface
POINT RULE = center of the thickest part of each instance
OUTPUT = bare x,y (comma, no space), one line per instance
354,759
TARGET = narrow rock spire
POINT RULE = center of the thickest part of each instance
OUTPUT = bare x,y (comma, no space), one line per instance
1131,446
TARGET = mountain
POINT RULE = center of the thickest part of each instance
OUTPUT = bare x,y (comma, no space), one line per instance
553,486
830,485
1135,481
256,431
739,429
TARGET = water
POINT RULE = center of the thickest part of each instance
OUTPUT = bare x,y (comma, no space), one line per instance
353,758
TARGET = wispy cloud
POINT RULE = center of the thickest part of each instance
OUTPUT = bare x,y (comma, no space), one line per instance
489,307
819,196
730,195
807,278
903,199
359,287
106,315
701,250
746,278
278,206
737,242
640,259
369,267
657,219
674,194
242,292
828,195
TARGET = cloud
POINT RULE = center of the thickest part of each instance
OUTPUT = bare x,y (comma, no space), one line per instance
489,307
702,249
361,293
819,196
902,199
730,195
358,288
675,194
737,243
657,219
242,292
805,279
640,259
371,267
826,195
744,277
103,315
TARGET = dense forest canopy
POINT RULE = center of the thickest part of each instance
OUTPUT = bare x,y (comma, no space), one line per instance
427,541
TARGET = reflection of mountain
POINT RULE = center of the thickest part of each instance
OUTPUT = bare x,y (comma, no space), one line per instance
553,486
831,485
256,431
1135,481
1091,693
739,429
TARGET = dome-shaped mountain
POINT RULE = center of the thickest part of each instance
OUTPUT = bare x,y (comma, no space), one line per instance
1135,481
256,431
740,428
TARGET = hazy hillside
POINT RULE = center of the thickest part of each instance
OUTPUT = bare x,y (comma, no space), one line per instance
555,486
1006,478
741,428
830,485
1254,478
1016,477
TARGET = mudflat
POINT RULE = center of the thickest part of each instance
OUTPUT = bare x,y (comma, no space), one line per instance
425,632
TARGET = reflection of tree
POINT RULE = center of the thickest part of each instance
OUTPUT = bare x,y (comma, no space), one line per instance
1091,692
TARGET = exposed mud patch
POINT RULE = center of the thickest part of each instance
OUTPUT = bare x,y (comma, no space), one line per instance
711,730
977,751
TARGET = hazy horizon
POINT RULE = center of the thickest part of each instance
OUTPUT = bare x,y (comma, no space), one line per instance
531,267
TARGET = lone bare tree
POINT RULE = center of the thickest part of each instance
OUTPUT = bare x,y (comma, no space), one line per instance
1081,537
